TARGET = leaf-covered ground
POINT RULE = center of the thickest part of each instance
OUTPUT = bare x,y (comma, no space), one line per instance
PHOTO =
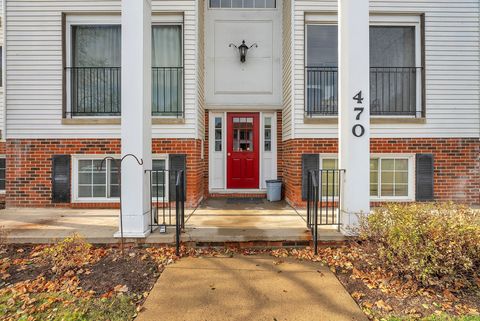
75,281
105,285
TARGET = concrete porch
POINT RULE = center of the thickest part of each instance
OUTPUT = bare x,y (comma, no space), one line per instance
214,221
250,219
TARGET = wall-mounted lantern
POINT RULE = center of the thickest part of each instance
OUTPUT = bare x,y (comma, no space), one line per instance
243,49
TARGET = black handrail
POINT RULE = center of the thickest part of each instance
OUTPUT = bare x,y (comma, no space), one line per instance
324,193
393,91
163,207
96,91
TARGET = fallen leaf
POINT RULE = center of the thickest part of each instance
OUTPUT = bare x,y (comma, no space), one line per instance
120,288
449,295
357,295
383,306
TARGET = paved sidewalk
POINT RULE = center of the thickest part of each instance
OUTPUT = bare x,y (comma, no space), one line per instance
248,288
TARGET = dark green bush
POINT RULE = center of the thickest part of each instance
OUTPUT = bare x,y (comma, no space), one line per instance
435,244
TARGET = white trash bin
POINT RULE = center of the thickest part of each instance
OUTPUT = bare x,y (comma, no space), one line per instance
274,190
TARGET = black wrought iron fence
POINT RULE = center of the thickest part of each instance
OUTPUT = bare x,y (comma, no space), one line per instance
393,91
324,199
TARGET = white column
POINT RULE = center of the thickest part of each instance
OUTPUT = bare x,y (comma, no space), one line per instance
354,109
136,115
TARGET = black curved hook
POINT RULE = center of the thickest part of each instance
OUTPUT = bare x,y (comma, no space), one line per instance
139,161
116,161
99,168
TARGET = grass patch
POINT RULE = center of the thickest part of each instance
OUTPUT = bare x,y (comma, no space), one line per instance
64,307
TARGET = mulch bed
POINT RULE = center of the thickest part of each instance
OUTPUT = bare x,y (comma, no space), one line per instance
135,269
417,305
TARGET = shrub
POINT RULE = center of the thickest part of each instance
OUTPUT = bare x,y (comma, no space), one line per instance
435,244
68,254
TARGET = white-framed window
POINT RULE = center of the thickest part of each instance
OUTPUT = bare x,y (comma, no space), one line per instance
3,173
93,65
243,4
267,135
218,134
160,178
167,69
395,65
92,182
392,176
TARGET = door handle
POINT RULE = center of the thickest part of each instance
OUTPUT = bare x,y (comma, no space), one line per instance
228,154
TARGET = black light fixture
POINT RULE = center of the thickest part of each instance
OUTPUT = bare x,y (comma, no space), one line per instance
243,49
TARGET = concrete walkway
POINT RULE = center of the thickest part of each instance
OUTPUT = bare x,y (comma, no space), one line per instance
248,288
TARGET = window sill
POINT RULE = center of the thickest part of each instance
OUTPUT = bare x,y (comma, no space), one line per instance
118,121
167,121
332,120
92,121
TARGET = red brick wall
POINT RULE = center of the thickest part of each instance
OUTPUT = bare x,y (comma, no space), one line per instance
29,167
2,195
456,161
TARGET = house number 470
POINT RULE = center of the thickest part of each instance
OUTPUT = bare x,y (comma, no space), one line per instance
358,130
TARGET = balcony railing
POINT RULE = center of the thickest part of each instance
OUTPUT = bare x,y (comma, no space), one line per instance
167,91
96,91
394,91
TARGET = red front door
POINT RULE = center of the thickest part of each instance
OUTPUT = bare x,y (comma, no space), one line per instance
242,150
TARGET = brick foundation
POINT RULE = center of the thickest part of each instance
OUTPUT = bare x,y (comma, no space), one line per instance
2,194
29,167
457,164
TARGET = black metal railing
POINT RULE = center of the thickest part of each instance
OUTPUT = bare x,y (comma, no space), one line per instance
167,206
167,91
393,91
96,91
324,199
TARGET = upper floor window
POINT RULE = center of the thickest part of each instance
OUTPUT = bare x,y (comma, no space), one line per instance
93,75
258,4
395,75
167,65
95,70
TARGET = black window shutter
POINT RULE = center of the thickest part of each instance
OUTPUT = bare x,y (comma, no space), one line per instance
61,179
309,162
424,176
3,168
176,162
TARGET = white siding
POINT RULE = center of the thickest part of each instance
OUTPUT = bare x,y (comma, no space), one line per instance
2,102
452,44
287,71
34,69
201,69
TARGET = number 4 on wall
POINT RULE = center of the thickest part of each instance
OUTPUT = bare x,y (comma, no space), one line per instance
358,97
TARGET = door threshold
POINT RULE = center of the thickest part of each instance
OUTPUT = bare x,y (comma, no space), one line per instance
238,191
